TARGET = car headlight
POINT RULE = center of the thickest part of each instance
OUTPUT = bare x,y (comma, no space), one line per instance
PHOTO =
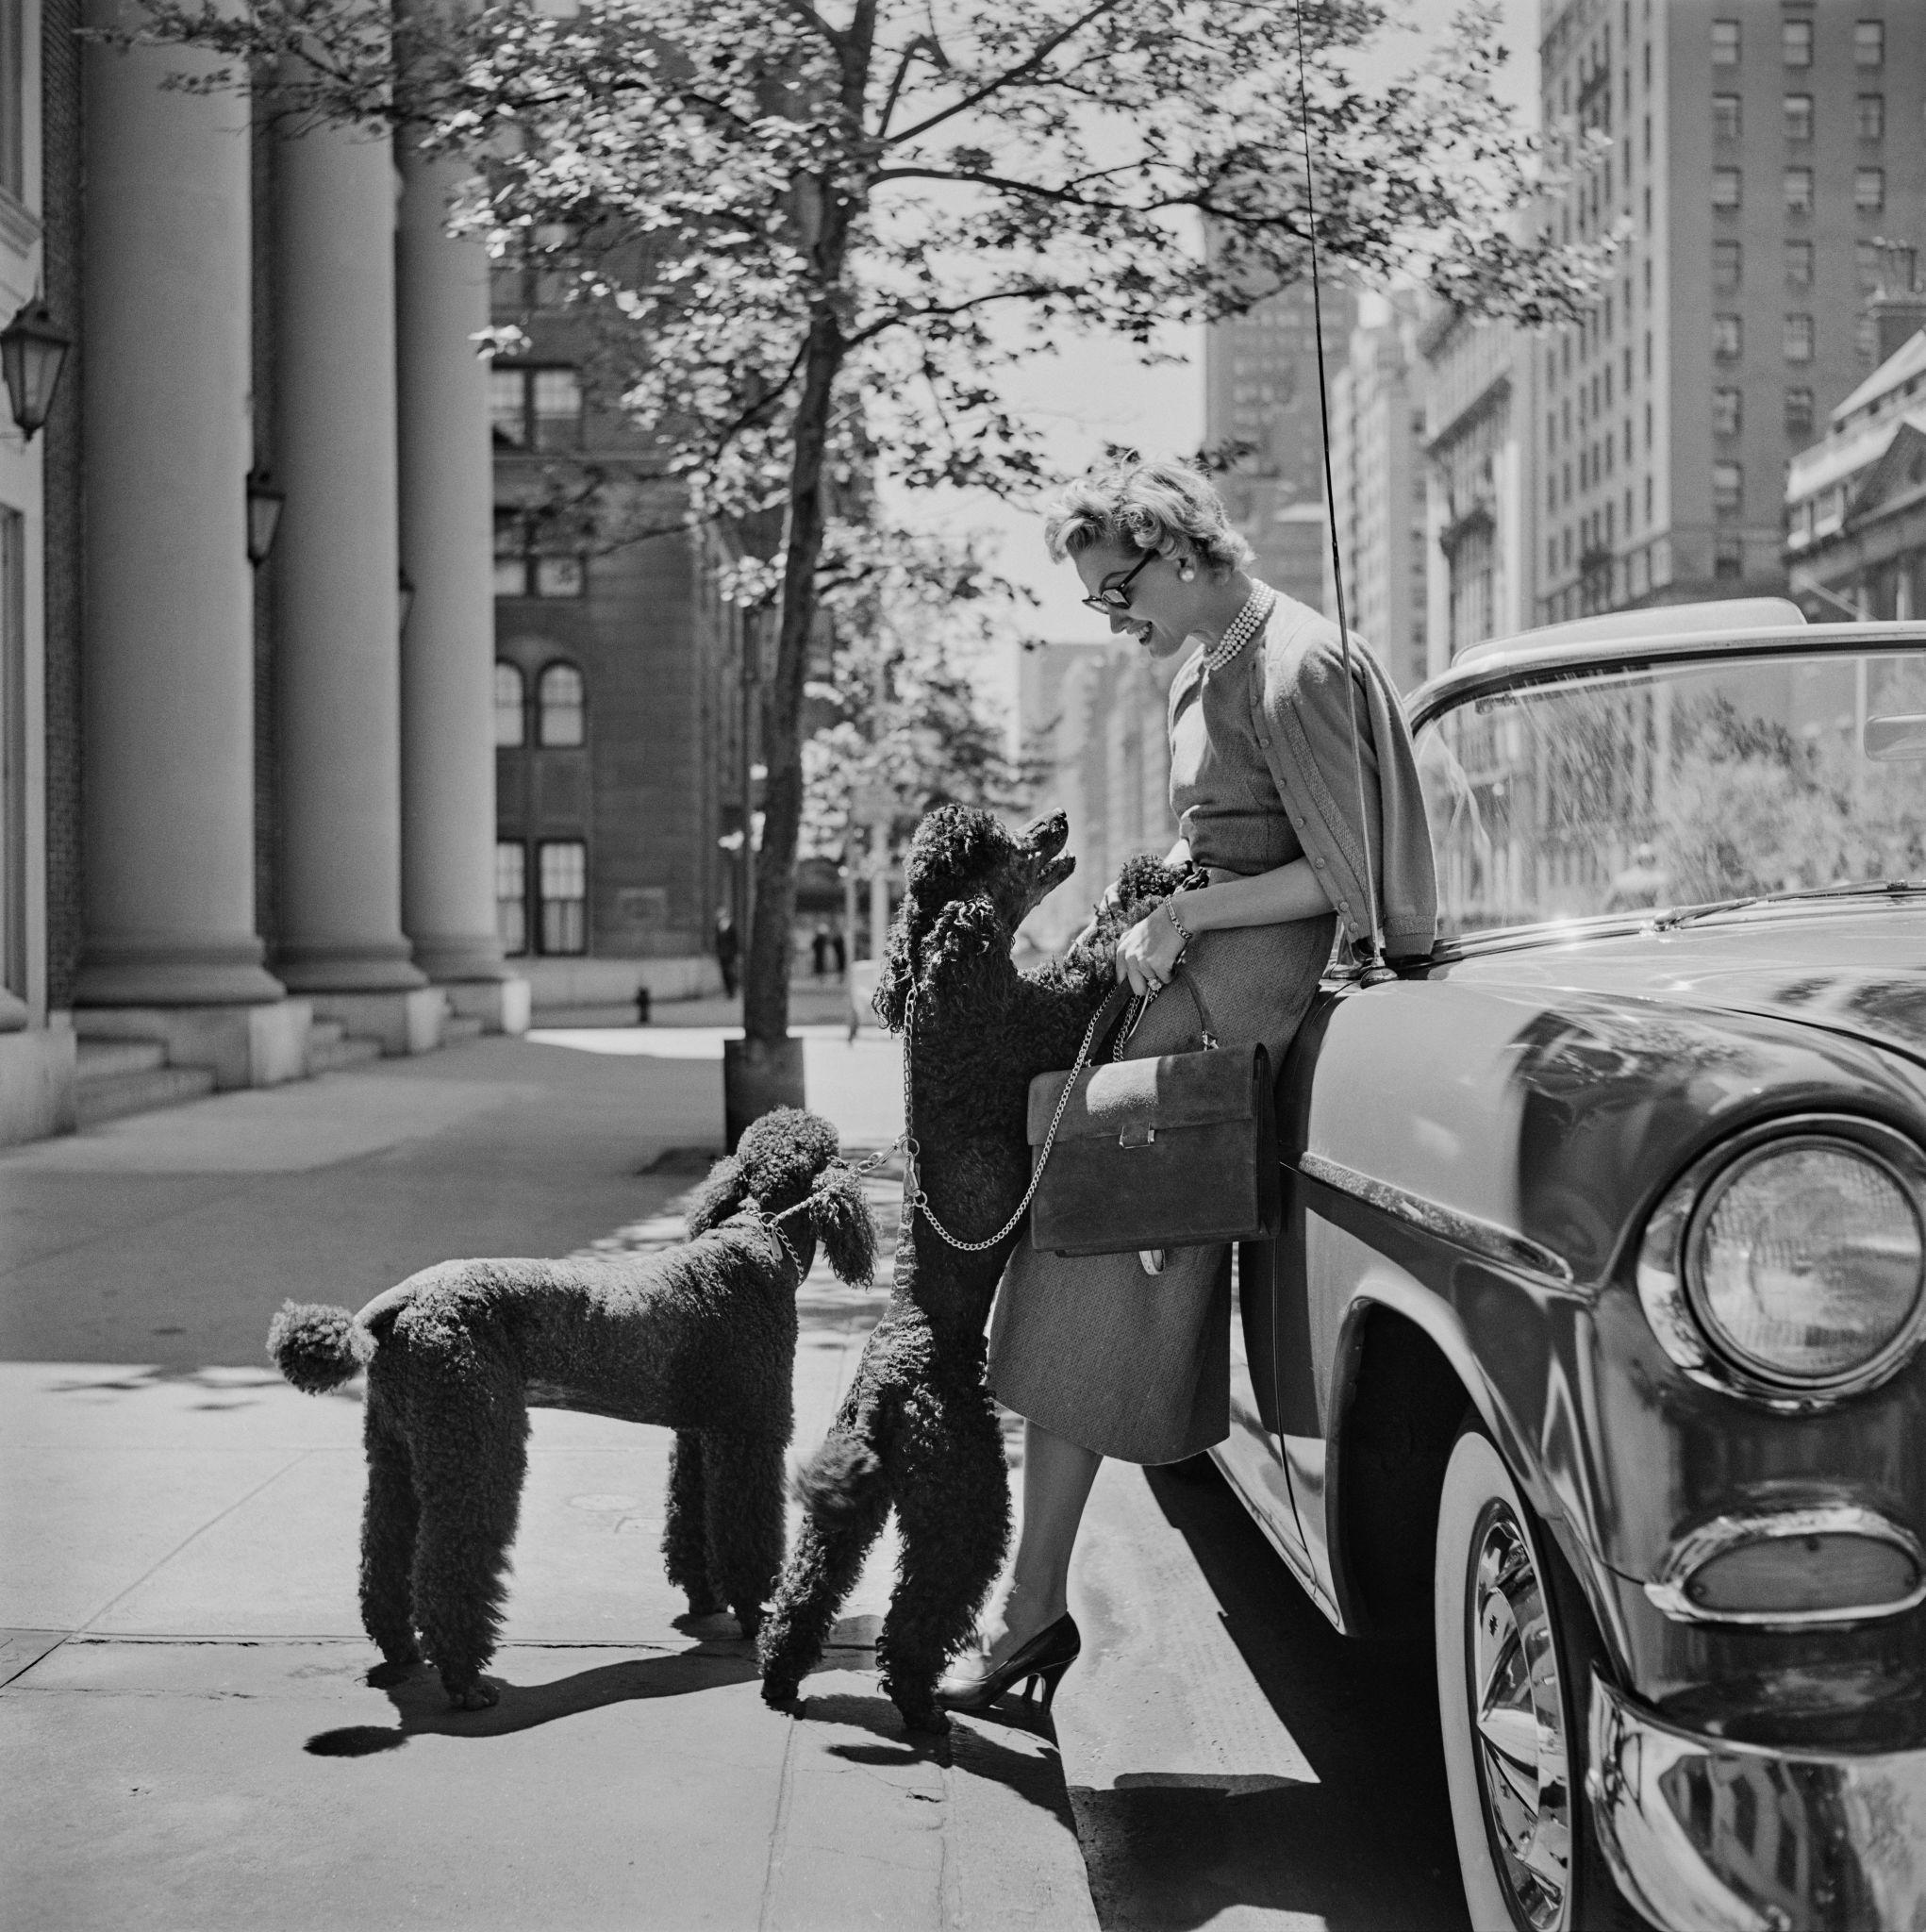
1796,1262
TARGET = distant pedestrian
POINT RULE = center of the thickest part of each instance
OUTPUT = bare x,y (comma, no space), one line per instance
839,952
819,951
727,949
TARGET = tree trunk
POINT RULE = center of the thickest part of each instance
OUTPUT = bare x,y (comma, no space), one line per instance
765,983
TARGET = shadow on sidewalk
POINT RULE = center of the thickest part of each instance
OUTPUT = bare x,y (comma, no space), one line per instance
1366,1844
423,1707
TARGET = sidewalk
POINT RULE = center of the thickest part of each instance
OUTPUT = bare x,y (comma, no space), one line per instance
188,1736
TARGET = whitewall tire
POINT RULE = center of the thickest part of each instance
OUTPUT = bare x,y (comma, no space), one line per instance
1515,1648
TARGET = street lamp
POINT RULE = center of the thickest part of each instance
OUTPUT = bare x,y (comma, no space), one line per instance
264,504
32,353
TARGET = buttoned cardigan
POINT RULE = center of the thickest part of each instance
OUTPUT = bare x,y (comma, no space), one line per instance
1301,716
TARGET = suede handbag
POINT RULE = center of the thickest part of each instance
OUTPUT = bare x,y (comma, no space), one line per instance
1175,1152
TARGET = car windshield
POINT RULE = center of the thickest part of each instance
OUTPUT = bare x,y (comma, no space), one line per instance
1672,785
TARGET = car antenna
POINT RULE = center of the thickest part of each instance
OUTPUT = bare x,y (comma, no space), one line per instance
1375,970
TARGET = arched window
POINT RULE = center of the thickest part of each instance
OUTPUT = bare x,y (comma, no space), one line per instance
558,698
511,724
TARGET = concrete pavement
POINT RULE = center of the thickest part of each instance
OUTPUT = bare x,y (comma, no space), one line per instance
187,1734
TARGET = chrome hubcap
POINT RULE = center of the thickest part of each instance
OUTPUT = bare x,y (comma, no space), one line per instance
1519,1718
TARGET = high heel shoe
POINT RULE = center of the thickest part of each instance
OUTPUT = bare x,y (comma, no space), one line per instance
1040,1662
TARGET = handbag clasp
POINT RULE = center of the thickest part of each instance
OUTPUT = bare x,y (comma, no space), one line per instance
1136,1134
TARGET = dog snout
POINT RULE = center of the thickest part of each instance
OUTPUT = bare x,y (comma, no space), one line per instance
1046,836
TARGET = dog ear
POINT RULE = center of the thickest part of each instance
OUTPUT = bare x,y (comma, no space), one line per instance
965,942
840,1212
718,1197
892,998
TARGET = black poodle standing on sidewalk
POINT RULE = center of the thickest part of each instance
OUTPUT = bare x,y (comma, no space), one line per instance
918,1429
699,1339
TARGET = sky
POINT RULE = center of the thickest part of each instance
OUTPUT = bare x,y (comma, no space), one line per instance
1099,393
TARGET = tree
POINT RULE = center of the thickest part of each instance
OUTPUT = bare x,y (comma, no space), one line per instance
832,226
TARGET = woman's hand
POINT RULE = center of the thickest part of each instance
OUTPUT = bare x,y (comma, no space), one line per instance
1147,955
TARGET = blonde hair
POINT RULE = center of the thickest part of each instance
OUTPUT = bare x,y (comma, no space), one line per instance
1145,506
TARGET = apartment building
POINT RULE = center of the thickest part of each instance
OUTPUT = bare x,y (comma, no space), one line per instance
1378,486
1260,385
1757,152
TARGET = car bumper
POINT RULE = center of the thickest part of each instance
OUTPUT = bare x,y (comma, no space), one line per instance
1706,1835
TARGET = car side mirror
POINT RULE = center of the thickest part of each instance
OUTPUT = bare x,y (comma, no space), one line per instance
1893,741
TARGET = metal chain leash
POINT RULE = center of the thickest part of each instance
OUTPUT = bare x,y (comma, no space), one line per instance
917,1201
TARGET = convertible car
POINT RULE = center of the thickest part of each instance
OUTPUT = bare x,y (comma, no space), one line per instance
1591,1341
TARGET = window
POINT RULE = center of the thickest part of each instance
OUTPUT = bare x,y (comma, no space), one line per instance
564,868
1648,499
1799,412
1728,489
1795,42
1725,188
511,724
1867,258
1725,43
1551,555
1798,265
1799,117
560,708
1799,338
535,408
1727,411
1728,557
1728,264
535,558
1798,191
1868,44
1870,117
511,894
13,97
1728,337
1865,340
1868,190
1725,117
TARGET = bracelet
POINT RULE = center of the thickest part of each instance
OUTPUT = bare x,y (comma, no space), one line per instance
1170,910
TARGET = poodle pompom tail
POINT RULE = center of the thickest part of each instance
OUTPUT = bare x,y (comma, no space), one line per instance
837,1479
318,1348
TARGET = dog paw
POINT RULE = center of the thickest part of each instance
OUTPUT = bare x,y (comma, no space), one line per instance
751,1622
782,1693
480,1695
393,1669
925,1721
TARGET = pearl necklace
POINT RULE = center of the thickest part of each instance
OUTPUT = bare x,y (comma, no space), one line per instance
1244,626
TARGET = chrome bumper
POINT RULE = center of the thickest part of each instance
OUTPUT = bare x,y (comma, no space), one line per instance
1705,1835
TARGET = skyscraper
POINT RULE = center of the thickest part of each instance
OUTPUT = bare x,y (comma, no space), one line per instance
1260,373
1759,150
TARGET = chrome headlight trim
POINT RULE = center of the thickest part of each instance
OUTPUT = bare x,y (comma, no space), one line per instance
1723,1534
1664,1292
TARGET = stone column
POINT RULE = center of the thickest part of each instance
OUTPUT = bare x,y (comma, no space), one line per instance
338,567
447,645
167,664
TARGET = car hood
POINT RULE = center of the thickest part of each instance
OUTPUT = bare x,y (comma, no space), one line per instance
1858,970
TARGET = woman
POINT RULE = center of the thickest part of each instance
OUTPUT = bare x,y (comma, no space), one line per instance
1098,1356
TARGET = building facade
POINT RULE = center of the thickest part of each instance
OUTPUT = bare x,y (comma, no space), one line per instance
254,632
619,697
1755,153
1855,501
1260,385
1091,718
1478,382
1377,481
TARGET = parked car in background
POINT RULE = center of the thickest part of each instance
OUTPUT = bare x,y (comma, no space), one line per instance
1591,1340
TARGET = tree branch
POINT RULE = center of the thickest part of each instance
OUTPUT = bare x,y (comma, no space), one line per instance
1036,58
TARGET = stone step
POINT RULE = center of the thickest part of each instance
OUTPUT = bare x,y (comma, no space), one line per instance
103,1060
457,1028
329,1056
108,1097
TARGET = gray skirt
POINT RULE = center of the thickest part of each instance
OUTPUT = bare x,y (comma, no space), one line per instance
1090,1347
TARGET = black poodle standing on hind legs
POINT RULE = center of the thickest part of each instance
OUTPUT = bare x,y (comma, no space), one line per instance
918,1430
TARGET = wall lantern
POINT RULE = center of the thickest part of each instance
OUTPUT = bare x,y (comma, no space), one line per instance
32,353
264,504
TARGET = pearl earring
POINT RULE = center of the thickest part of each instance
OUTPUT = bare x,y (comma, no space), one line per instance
1186,571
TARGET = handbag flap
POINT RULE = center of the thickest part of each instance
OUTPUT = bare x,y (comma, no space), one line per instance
1179,1090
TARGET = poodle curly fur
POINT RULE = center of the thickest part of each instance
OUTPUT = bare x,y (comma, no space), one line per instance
699,1339
918,1431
